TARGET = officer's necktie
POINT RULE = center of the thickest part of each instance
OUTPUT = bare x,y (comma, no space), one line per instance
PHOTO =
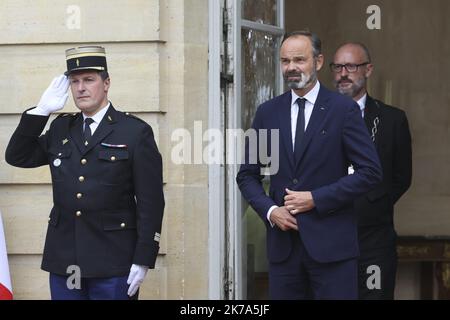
87,129
300,129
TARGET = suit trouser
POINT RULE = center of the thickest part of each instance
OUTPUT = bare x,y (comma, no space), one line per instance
300,277
114,288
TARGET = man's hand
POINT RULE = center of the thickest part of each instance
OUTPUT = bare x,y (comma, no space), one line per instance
136,277
298,201
283,219
55,97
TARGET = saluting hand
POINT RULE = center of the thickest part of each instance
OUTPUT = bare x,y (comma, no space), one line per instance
55,97
298,201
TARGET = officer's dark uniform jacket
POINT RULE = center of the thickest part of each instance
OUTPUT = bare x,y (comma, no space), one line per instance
389,128
108,195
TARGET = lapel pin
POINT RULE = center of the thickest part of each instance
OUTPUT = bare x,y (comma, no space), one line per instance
109,118
65,141
86,143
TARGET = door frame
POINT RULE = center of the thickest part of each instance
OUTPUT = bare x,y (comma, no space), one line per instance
226,277
216,172
237,238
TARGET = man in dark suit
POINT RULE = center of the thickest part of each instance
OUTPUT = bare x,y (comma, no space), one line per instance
312,240
388,127
104,227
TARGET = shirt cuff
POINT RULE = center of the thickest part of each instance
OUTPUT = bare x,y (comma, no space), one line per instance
37,112
269,213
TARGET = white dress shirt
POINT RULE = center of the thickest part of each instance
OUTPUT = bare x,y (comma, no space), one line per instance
362,103
97,118
310,98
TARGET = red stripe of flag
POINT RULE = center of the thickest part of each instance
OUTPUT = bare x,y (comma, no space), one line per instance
5,294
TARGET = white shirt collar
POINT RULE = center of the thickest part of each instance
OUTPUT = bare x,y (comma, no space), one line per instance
99,115
311,96
362,102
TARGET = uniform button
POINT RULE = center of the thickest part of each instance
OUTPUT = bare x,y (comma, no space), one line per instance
79,195
59,154
49,218
83,161
122,225
113,158
295,181
81,178
78,213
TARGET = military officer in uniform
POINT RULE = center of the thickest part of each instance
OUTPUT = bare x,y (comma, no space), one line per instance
104,228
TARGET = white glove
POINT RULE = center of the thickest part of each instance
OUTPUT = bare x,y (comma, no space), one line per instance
54,98
136,277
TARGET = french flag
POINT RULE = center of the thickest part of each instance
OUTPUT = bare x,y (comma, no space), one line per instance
5,279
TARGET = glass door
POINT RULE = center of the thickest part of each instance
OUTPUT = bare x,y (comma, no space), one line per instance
258,27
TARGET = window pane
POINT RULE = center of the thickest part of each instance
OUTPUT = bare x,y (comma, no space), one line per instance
259,52
262,11
259,74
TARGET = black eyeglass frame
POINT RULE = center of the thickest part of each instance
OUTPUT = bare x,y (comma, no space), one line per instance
333,67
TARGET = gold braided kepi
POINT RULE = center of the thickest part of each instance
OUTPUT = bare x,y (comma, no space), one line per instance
86,58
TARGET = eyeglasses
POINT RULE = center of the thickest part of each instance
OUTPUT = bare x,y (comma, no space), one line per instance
350,67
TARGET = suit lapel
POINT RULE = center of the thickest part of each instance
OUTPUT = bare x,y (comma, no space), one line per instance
75,132
319,113
285,126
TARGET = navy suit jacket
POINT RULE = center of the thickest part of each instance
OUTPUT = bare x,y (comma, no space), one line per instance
335,137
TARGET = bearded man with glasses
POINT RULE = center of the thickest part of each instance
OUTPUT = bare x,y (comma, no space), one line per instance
388,127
